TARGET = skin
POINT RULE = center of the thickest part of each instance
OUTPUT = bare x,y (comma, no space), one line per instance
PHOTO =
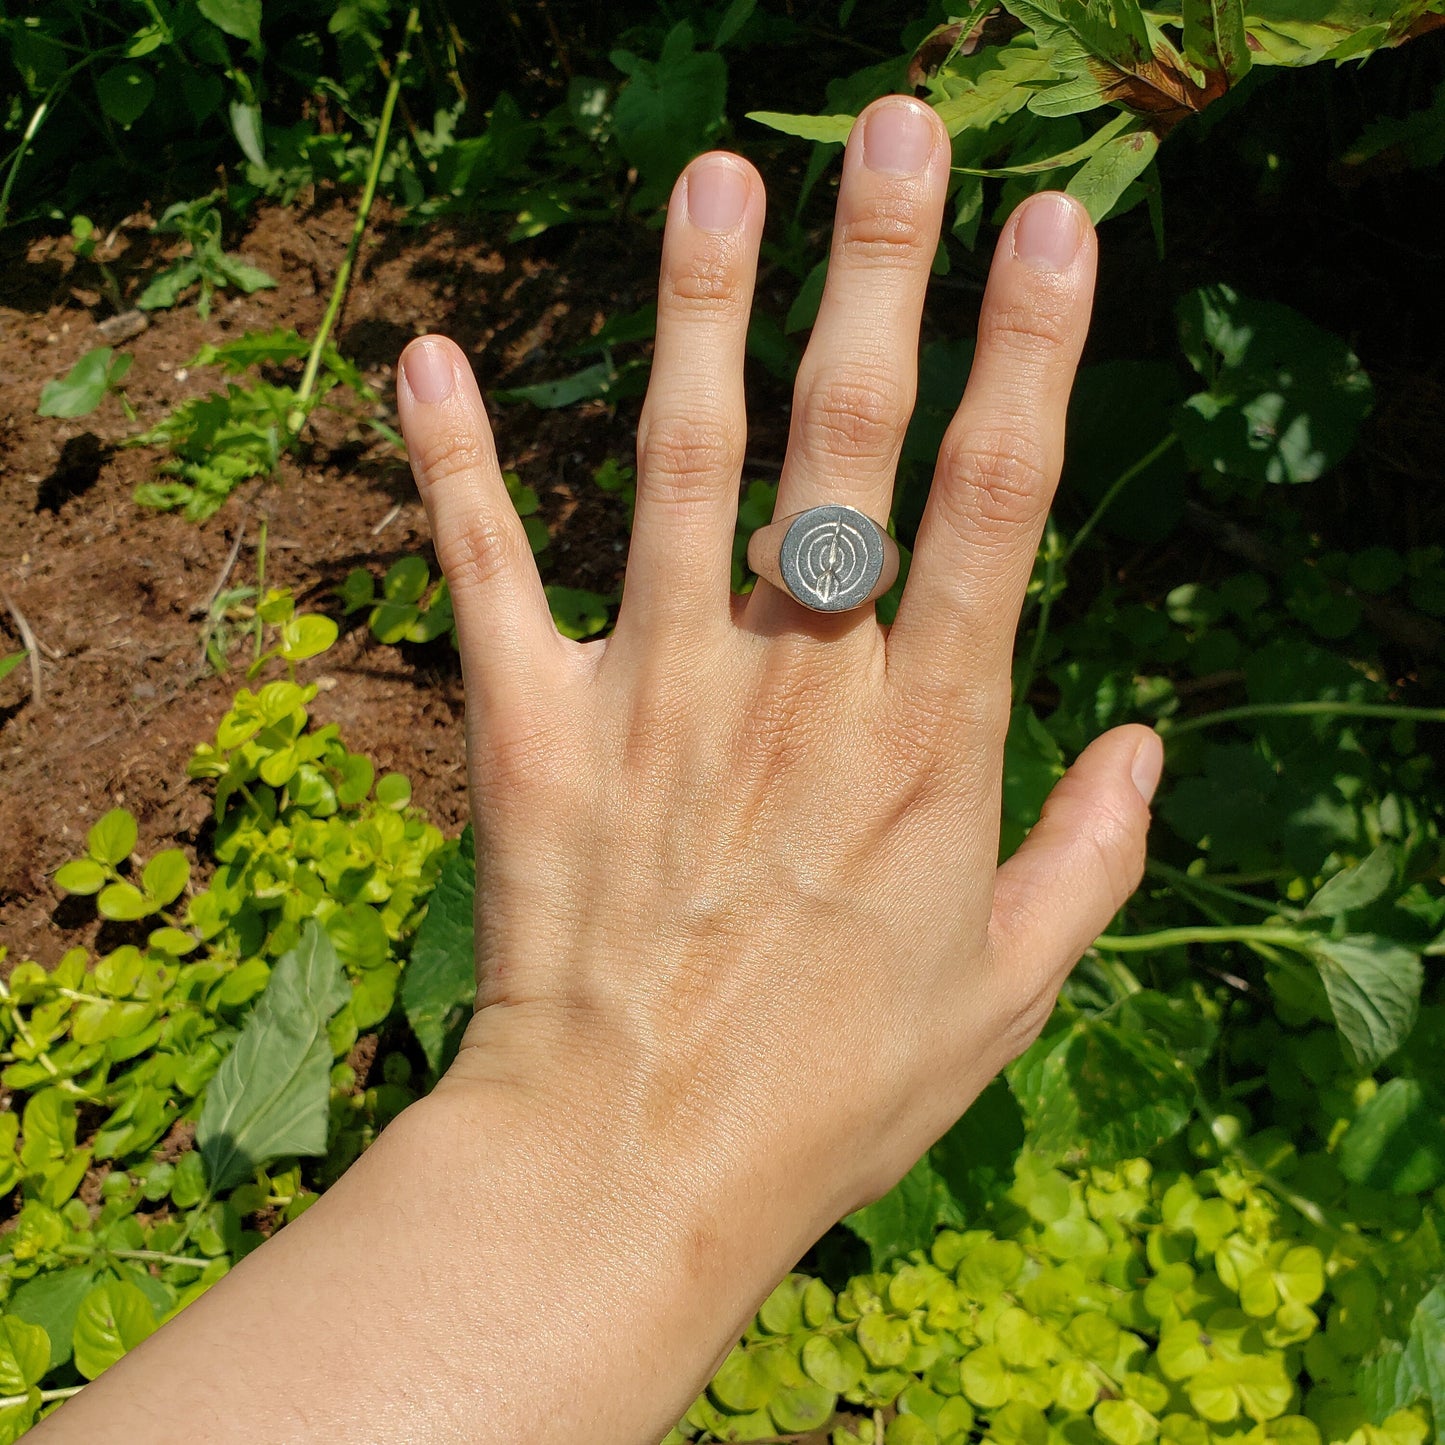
744,949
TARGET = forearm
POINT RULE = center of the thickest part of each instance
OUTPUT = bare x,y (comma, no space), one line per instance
476,1276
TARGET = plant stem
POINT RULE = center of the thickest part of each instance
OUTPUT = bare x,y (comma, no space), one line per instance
1207,885
37,119
1200,933
1317,708
1111,495
46,1396
296,419
1054,554
260,597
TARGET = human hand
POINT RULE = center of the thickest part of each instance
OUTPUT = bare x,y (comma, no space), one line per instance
739,914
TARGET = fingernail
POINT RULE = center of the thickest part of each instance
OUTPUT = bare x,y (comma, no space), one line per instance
717,192
1148,764
428,371
897,139
1050,231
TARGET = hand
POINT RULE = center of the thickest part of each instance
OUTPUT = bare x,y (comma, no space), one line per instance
738,902
744,951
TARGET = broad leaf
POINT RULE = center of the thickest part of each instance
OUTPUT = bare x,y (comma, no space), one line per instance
52,1300
270,1096
241,18
1398,1376
24,1355
1373,985
113,1317
907,1217
1397,1140
1099,1091
85,385
439,987
1356,886
1285,398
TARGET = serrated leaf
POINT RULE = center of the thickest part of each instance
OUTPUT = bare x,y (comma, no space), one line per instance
270,1096
1102,180
1373,985
113,1317
439,987
827,129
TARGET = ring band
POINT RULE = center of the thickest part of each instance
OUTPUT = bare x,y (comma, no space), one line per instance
831,558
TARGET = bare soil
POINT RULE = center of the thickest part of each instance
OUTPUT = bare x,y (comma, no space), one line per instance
116,595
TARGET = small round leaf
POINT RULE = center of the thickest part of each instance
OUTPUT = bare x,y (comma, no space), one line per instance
84,875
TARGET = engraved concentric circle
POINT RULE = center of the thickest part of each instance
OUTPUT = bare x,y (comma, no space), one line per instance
831,557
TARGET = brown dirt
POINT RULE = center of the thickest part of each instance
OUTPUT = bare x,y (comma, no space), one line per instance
116,594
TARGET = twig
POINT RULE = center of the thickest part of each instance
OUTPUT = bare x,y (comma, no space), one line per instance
301,410
387,520
37,692
205,608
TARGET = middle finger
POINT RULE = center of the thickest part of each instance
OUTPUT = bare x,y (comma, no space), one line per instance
858,379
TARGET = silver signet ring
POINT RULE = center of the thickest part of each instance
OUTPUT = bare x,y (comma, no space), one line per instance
831,558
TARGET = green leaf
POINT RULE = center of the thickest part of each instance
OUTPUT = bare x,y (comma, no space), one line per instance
125,92
1102,180
439,987
1356,886
669,109
1214,38
406,580
1397,1377
592,383
123,902
270,1096
241,18
24,1355
1397,1140
1095,1090
393,790
307,636
85,385
1373,985
907,1217
112,839
9,663
1285,398
52,1301
358,590
165,877
828,129
113,1317
734,18
84,875
576,612
977,1155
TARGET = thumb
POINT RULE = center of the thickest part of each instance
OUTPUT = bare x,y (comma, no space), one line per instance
1082,860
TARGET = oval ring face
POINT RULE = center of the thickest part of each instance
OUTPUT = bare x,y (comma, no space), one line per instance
831,557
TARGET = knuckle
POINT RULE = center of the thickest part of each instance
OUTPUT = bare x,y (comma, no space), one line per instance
887,231
480,550
446,454
705,282
676,455
998,479
852,415
1029,328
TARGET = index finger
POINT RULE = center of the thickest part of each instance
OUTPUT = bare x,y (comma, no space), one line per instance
1000,460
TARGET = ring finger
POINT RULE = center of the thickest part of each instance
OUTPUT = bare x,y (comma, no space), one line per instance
856,385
